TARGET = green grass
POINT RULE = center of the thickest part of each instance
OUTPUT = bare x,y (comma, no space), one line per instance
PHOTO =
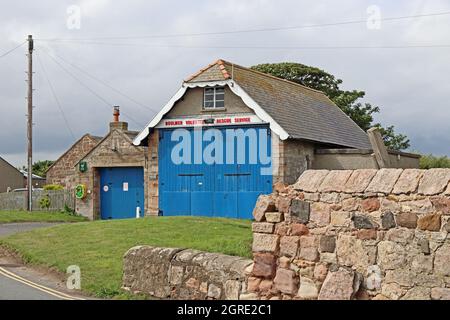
24,216
98,247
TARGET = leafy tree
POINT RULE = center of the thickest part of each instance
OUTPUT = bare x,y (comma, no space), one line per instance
431,161
315,78
40,167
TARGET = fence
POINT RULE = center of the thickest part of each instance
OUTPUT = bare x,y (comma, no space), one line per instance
18,200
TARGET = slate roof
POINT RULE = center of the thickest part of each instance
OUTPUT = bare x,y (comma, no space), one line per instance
302,112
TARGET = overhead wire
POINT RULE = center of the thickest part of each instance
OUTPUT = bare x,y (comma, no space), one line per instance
254,30
106,102
52,89
82,70
13,49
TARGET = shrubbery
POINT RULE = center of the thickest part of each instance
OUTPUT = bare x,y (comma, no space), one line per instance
430,161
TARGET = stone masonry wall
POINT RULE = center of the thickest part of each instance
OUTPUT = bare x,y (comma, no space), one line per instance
184,274
354,234
64,168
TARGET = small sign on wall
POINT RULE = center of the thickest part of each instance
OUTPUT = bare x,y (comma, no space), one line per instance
83,166
125,186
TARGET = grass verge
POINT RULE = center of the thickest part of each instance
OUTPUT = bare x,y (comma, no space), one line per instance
37,216
98,247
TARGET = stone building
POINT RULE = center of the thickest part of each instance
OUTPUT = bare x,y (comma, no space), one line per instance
284,123
64,168
112,174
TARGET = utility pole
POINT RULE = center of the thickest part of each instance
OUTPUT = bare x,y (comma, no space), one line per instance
30,124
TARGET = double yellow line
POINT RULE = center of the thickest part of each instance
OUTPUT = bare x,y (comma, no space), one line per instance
39,287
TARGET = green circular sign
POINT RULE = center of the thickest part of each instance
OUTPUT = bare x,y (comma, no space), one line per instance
80,191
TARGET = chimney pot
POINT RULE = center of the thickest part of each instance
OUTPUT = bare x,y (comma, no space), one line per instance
116,124
116,113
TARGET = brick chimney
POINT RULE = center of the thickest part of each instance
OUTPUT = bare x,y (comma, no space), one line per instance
116,123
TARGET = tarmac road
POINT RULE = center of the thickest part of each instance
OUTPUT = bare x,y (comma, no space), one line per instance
17,282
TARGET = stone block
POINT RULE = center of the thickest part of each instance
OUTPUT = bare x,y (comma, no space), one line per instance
320,214
286,281
265,285
283,204
340,219
351,204
408,181
384,181
407,220
440,293
417,293
335,181
265,242
370,205
232,289
441,204
308,248
253,284
284,262
310,180
248,296
263,227
308,289
391,255
289,246
363,222
430,222
320,272
338,285
264,265
388,220
441,260
264,204
299,229
352,253
401,235
434,181
274,217
327,244
300,211
331,198
359,180
367,234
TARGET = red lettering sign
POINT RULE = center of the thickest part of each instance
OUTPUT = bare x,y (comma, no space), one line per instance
224,120
241,120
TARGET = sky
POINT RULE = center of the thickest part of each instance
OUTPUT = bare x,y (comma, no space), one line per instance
130,46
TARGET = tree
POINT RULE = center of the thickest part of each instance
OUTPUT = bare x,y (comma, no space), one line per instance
40,167
315,78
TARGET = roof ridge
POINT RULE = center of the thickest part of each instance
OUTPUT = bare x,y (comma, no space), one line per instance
218,62
272,76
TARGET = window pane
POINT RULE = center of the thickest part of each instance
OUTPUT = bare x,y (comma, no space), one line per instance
220,90
209,98
220,104
220,96
209,90
209,104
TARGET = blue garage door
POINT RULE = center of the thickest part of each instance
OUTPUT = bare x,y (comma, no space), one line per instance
211,187
122,192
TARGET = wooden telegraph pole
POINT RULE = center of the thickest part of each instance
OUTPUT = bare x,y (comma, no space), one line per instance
30,124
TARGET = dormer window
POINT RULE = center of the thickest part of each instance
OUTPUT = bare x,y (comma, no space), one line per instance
214,98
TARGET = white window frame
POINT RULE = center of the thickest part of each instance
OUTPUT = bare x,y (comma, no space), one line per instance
214,101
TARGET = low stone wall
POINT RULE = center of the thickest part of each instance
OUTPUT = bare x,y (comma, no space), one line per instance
362,234
184,274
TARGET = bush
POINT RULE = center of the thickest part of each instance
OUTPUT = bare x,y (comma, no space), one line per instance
430,161
45,202
53,187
